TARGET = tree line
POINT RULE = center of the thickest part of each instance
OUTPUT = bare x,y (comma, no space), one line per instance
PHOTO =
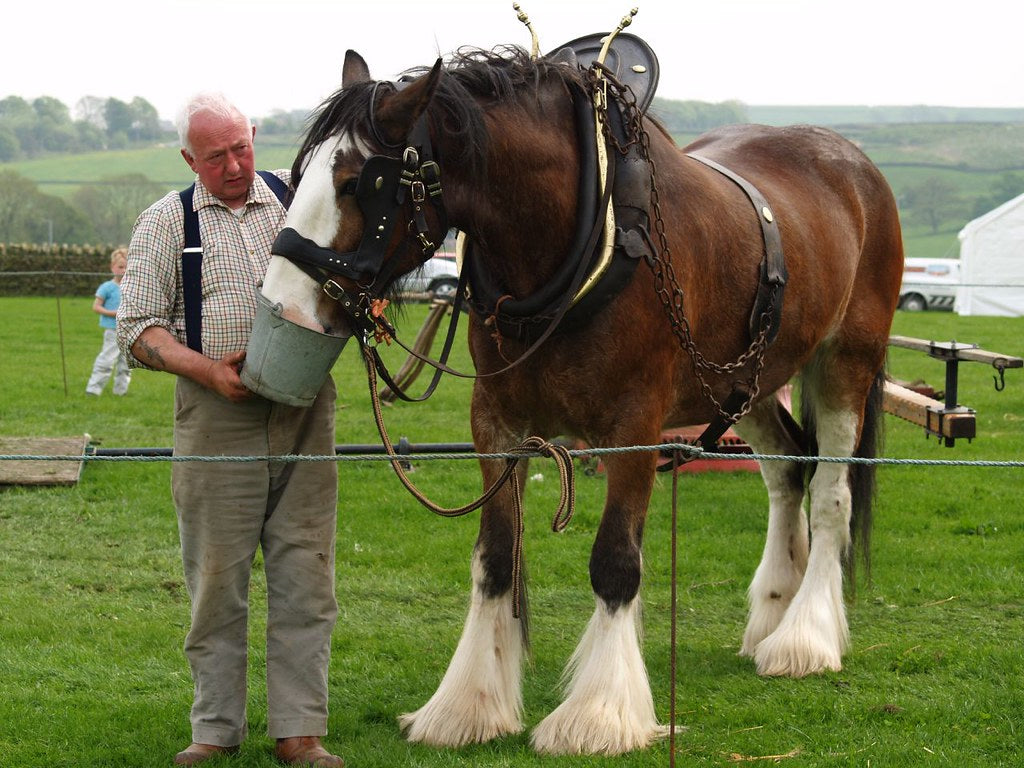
103,212
934,201
45,125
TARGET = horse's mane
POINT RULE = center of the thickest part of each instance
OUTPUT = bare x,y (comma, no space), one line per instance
472,76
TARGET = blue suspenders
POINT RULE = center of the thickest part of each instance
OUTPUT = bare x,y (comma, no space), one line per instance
192,260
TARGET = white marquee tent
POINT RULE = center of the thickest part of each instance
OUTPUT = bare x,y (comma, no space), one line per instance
992,263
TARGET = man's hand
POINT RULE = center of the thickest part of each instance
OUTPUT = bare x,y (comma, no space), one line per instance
157,348
222,377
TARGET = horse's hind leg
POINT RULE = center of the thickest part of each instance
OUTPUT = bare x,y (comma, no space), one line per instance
769,429
608,707
813,633
480,696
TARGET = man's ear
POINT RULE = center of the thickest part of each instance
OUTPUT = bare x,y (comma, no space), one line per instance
189,159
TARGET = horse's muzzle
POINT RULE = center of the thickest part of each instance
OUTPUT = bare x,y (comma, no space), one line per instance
287,362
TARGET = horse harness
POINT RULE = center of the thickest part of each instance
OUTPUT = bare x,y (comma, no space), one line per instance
630,76
765,318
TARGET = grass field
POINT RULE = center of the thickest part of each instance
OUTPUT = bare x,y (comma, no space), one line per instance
93,612
62,175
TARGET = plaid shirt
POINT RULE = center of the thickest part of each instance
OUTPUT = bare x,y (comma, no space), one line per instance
236,253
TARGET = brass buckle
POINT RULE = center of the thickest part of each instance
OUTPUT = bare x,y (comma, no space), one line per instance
428,245
333,290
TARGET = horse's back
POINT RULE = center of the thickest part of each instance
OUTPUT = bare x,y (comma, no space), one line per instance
782,144
797,156
837,218
816,178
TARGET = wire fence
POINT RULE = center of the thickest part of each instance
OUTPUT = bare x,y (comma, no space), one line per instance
66,273
689,452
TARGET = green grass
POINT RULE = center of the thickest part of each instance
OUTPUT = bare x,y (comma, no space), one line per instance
93,611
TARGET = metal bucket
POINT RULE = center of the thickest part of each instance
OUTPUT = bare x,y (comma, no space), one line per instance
285,362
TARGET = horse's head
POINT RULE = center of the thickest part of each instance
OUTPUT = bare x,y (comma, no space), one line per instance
367,205
366,210
368,202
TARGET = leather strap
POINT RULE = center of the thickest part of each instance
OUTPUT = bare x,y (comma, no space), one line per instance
773,264
192,273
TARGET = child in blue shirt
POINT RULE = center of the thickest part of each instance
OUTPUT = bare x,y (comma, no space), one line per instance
110,360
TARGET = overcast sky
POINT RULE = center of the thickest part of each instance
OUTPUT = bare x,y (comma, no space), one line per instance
287,54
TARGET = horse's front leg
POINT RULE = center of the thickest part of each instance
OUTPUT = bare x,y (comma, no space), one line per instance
608,707
480,696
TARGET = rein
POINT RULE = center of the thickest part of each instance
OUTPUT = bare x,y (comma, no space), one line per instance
560,454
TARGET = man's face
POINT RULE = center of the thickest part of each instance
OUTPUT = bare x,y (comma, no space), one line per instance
224,158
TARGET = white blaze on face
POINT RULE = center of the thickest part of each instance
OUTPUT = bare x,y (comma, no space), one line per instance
314,215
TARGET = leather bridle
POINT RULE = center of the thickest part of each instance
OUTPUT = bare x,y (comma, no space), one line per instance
381,191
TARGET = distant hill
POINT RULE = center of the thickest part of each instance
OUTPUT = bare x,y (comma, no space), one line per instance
865,115
975,156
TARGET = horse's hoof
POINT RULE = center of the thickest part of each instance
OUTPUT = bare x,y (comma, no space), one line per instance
430,725
782,656
593,735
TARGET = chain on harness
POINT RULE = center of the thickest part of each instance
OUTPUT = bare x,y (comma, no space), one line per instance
659,259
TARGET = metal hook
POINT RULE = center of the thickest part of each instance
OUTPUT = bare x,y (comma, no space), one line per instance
999,380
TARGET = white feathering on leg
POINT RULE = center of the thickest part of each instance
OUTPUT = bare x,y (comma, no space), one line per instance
480,696
608,708
813,633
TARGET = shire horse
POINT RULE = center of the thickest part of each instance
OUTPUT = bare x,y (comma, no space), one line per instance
488,142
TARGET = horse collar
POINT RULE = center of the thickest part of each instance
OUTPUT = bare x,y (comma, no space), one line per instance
589,278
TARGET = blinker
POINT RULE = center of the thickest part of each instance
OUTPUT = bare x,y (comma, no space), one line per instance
380,188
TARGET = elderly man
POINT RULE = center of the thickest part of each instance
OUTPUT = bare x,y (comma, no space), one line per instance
226,510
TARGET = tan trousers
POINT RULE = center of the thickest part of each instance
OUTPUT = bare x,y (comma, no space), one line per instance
225,511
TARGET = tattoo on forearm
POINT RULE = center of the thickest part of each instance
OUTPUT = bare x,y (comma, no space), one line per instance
152,354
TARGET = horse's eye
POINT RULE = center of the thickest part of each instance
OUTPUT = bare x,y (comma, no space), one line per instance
348,188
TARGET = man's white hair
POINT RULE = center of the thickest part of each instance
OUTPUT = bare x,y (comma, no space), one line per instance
214,103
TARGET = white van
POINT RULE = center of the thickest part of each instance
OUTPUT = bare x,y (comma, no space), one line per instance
437,277
929,284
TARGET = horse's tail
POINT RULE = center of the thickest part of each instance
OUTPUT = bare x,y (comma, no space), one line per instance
862,476
862,479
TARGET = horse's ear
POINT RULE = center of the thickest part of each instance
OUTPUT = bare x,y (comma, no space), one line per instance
400,110
355,70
